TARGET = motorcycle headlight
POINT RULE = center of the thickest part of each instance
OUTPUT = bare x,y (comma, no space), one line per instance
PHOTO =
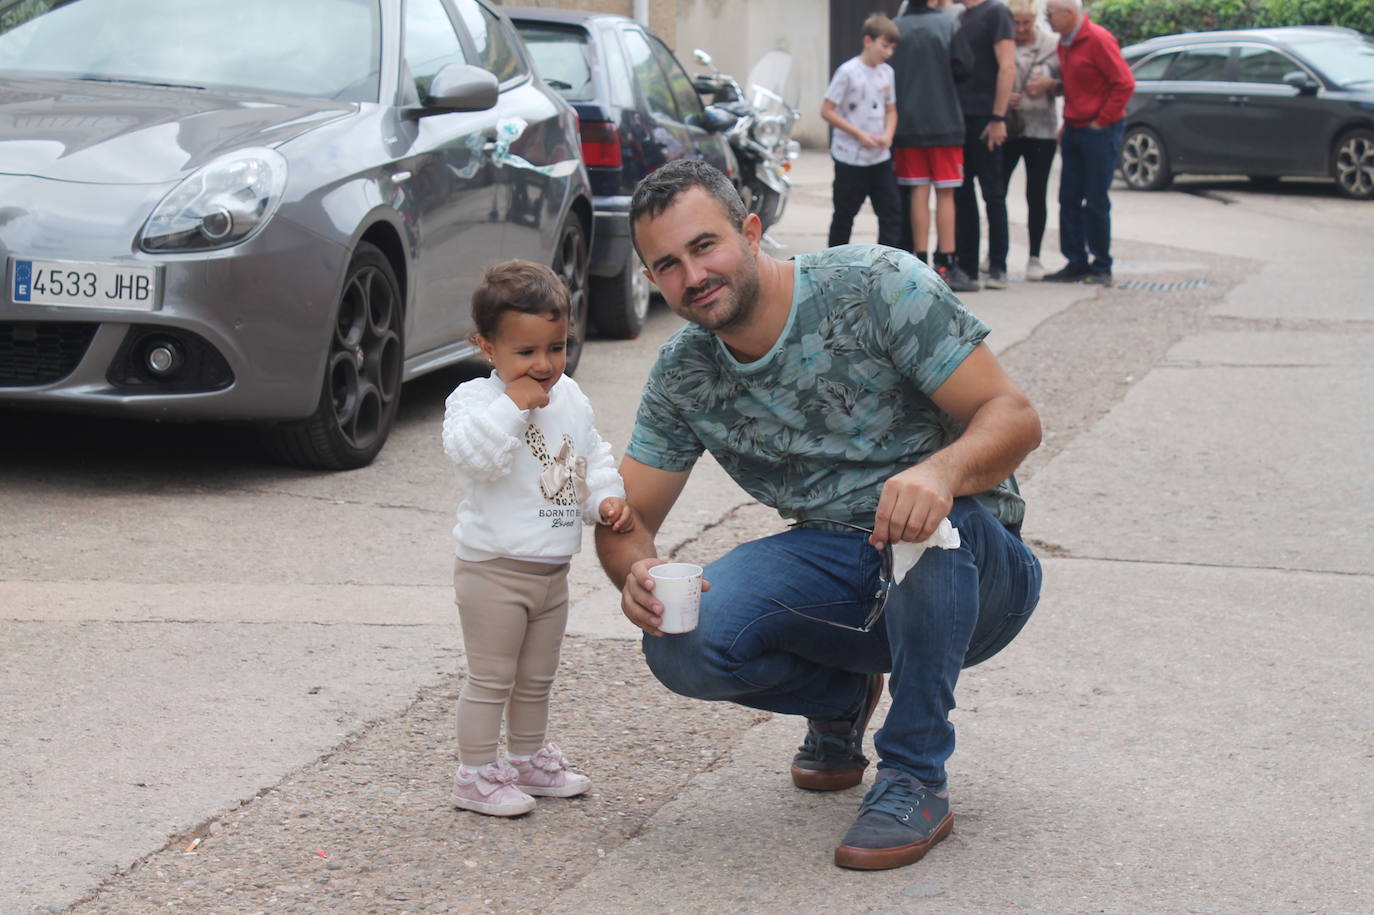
768,131
223,203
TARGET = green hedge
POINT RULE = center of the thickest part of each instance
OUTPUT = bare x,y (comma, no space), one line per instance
1136,20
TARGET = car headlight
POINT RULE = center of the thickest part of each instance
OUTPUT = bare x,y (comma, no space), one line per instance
222,203
768,131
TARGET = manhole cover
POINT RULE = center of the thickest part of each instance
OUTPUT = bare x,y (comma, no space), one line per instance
1149,286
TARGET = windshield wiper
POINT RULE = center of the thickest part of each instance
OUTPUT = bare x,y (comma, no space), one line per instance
138,82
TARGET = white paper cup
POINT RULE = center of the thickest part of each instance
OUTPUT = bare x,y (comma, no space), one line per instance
677,585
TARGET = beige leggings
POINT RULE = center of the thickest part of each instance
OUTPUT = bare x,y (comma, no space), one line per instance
513,615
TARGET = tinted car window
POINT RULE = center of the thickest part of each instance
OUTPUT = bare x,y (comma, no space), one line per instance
618,71
688,102
1201,64
318,48
1262,65
1345,62
649,75
430,42
1155,67
563,58
495,47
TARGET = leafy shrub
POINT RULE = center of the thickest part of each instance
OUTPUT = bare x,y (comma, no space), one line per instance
1136,20
1353,14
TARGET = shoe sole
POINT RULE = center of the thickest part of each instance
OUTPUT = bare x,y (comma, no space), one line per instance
994,284
555,791
817,780
877,859
493,810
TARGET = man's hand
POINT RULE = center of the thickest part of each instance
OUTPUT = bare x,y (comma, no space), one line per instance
870,141
617,514
1039,85
637,599
995,134
527,393
912,505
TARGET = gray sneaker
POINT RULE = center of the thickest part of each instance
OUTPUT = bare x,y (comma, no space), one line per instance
831,757
997,279
899,821
957,279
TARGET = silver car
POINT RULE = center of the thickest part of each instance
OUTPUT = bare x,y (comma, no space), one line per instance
267,210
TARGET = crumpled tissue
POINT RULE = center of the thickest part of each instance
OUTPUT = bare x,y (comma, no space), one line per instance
904,555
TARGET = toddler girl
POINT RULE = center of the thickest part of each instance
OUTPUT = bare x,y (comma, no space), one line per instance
532,468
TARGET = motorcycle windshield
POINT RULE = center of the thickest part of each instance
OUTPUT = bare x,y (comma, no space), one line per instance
770,88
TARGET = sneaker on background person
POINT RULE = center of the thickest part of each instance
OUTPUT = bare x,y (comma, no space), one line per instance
1035,271
490,789
1071,273
997,279
549,774
956,279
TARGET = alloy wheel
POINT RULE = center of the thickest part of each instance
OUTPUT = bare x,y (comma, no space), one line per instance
1142,160
1355,165
365,358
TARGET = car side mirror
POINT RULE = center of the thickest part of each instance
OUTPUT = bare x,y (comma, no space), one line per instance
717,120
1300,81
461,87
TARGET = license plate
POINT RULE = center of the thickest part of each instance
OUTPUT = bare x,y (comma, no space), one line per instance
83,283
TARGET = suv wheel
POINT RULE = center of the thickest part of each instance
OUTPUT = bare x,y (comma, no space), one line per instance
1353,164
1143,162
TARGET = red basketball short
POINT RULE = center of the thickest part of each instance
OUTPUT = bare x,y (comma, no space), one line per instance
942,166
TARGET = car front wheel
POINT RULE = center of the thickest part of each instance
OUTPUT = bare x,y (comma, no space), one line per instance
1143,162
570,263
1354,164
362,376
621,302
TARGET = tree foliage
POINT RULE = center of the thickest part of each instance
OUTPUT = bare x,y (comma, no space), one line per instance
1136,20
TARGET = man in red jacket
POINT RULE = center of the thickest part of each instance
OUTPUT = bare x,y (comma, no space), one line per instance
1096,84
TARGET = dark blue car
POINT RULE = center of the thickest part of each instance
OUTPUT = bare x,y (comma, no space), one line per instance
638,110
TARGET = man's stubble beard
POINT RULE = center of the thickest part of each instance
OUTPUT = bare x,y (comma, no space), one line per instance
742,291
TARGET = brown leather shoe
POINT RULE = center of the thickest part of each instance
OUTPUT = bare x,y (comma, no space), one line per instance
831,757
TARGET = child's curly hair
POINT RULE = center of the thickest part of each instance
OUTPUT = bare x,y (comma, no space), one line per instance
521,286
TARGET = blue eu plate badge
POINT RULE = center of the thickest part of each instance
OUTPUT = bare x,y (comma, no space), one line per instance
23,280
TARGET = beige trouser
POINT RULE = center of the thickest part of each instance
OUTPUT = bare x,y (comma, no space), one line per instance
513,615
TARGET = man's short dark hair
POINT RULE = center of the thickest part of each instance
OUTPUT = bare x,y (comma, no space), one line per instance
656,193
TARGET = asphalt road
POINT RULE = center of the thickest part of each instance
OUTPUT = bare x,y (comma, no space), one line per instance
194,643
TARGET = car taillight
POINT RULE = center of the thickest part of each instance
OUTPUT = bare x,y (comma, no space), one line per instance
600,144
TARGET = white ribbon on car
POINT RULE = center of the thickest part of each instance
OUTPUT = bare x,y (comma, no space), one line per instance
565,467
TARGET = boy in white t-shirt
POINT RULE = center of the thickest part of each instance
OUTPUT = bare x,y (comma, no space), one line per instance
861,104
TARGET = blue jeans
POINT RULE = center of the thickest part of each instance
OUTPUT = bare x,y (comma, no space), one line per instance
954,609
1085,211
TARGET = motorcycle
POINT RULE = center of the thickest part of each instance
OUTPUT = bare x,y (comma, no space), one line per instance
759,136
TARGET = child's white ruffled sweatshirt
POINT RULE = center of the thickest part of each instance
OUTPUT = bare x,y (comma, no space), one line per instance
522,471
